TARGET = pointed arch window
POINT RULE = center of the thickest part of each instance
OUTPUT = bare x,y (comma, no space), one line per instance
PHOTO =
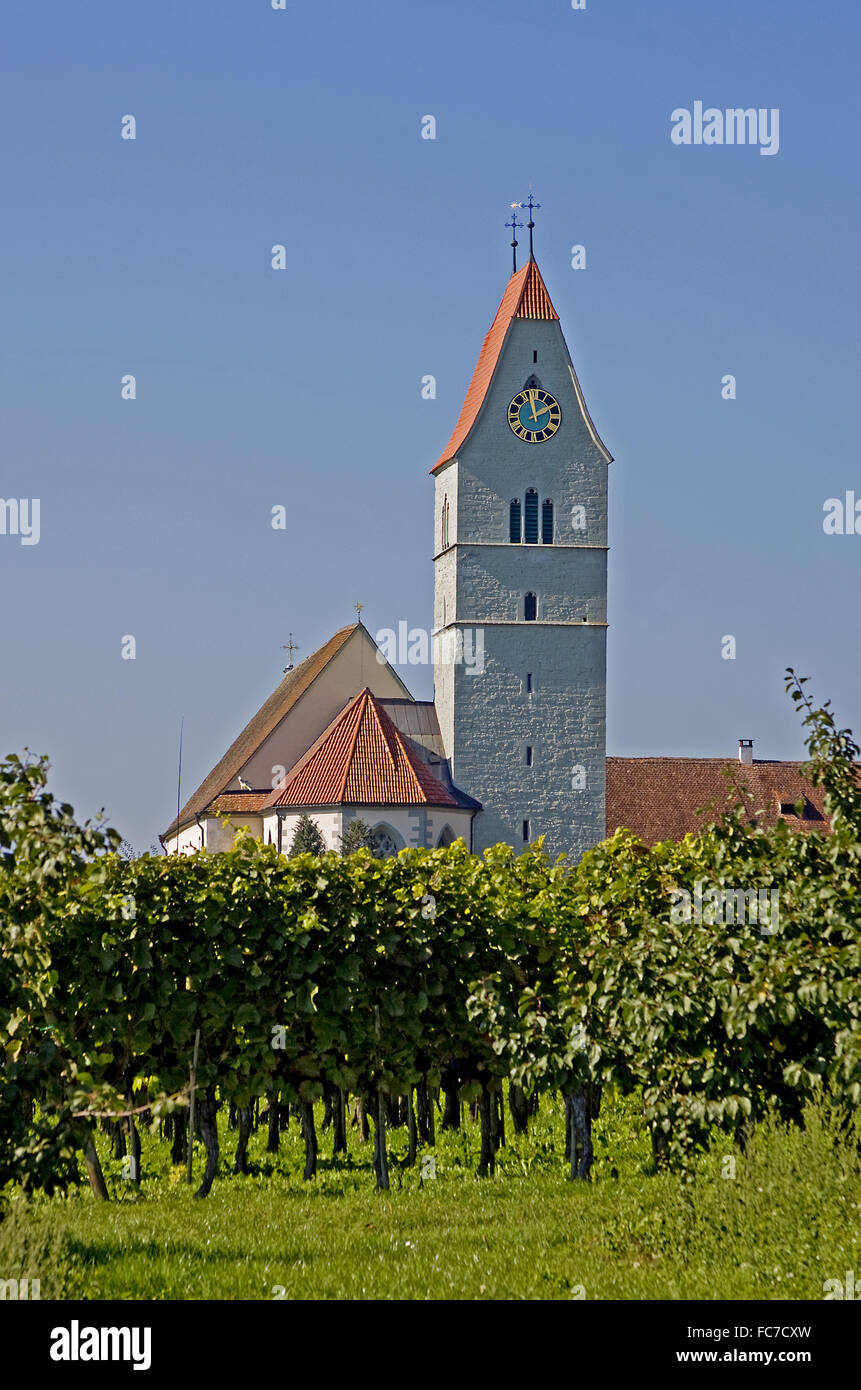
530,517
445,523
530,608
514,521
547,522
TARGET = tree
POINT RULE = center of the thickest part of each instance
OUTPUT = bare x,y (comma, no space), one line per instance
356,836
307,838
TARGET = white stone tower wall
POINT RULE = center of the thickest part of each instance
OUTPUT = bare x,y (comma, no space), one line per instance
487,717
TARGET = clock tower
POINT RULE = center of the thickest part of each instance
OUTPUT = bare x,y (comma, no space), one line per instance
520,586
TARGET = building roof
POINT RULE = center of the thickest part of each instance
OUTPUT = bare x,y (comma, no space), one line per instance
661,798
525,297
362,759
271,712
248,802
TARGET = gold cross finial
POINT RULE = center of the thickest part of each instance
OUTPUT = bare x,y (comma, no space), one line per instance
359,607
289,647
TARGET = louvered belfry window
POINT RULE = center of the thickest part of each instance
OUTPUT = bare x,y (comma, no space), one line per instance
530,517
547,522
514,521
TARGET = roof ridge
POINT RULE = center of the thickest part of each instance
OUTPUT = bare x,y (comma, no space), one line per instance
286,694
348,752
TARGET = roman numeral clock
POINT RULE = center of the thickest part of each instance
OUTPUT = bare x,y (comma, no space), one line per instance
534,415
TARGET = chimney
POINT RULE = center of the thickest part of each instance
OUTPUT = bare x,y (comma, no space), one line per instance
745,750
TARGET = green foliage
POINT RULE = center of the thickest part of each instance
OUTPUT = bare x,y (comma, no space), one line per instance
356,836
365,974
307,838
35,1244
715,1019
44,855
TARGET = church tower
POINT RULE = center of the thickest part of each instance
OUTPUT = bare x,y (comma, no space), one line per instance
520,586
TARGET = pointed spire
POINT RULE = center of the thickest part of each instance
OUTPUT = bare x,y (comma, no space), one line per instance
525,297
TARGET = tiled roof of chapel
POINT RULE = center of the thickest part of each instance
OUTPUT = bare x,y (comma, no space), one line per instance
361,759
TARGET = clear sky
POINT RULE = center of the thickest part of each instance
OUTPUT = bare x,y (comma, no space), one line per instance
303,388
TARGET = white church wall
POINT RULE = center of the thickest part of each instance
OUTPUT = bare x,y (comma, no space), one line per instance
328,822
187,841
221,830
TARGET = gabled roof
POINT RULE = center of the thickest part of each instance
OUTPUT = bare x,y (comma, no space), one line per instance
270,714
660,798
362,759
525,297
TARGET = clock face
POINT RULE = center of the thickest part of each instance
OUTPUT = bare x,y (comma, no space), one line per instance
534,415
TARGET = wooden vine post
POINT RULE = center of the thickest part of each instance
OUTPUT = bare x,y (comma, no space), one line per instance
193,1084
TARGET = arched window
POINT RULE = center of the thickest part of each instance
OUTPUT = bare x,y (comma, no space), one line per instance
514,521
384,842
445,523
530,608
446,838
530,517
547,522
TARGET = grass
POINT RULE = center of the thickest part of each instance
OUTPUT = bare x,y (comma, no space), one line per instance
786,1222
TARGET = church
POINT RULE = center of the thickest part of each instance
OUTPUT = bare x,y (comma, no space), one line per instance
512,747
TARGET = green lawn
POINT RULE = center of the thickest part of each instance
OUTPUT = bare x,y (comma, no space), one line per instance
786,1222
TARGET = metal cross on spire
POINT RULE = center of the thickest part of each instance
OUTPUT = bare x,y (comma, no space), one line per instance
514,224
530,207
289,647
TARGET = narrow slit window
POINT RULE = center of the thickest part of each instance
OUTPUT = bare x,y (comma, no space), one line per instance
530,608
514,521
526,832
547,522
529,682
535,354
530,517
528,756
445,524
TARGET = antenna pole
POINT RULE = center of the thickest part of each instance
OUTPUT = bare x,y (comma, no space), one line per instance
179,777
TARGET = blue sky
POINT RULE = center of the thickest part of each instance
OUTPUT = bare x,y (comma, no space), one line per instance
302,388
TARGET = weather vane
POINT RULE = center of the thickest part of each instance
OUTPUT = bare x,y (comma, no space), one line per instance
289,647
530,206
359,607
514,224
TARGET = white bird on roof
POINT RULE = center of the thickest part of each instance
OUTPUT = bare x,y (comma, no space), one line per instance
243,785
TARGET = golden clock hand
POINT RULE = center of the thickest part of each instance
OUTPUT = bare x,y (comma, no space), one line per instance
542,410
532,403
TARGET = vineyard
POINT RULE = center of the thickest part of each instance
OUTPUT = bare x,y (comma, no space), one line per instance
405,1004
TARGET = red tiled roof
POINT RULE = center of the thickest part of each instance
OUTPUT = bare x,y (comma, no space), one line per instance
661,798
238,801
525,297
362,760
